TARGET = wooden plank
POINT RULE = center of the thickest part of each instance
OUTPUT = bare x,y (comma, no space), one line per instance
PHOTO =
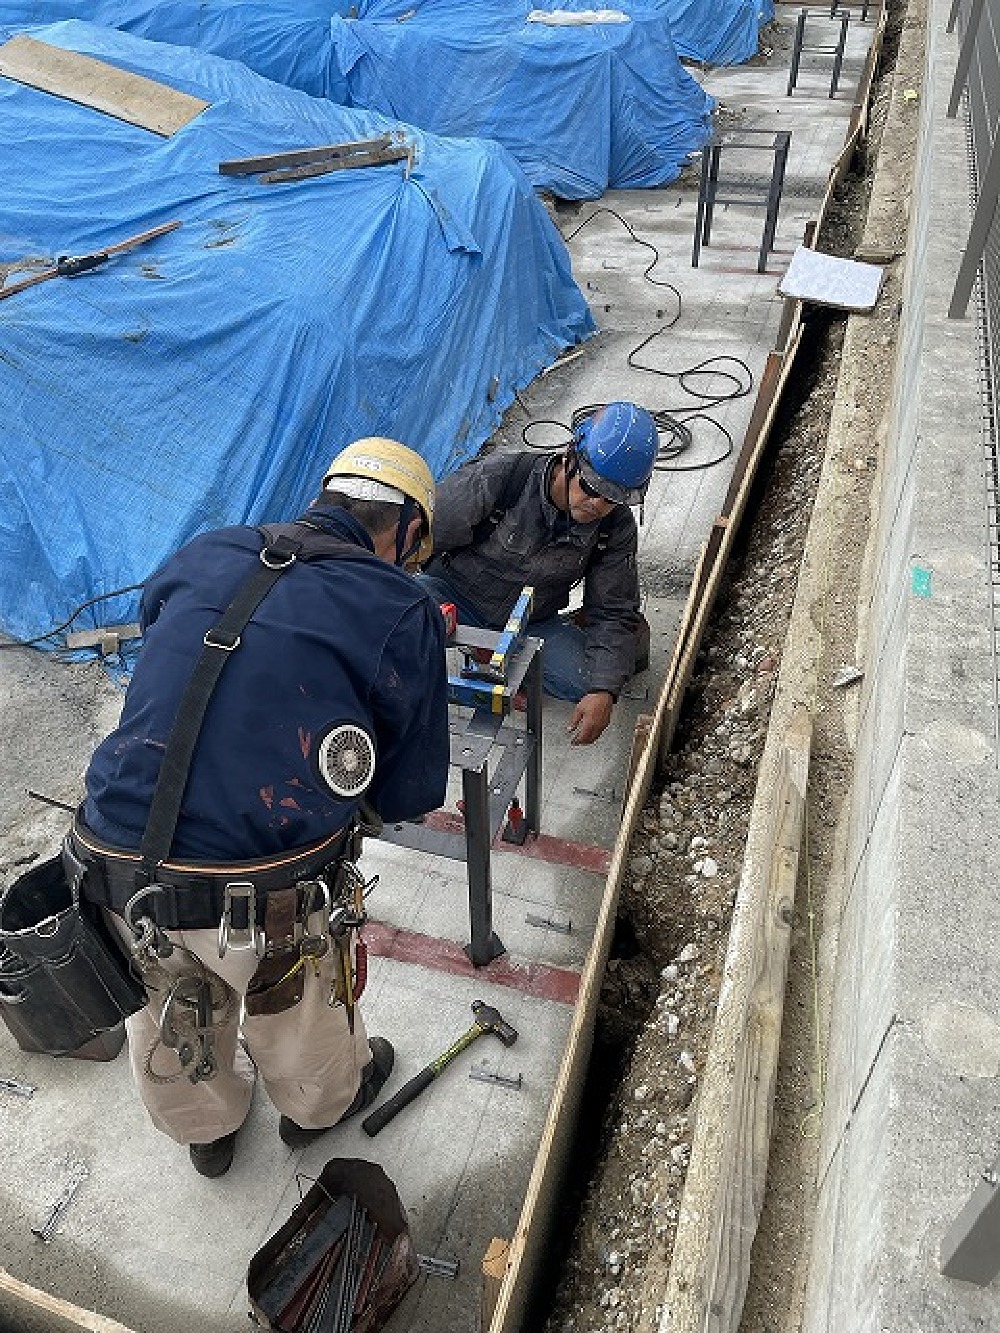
94,83
36,1309
742,1168
299,157
529,1249
640,739
495,1262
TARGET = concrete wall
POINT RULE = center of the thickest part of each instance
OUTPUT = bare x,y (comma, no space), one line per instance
912,1111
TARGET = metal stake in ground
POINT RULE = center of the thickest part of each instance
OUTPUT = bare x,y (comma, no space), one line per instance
487,1020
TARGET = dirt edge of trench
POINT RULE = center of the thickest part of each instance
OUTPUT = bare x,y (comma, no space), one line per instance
625,1180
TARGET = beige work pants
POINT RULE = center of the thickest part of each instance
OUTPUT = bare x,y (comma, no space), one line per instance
308,1059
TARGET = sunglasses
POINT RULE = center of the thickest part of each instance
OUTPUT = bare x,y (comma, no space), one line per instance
589,489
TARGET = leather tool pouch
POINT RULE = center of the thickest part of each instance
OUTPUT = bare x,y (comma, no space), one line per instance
61,972
278,983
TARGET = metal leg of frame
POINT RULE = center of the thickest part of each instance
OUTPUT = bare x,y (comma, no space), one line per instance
484,945
715,155
533,718
773,200
699,217
793,72
838,54
970,1250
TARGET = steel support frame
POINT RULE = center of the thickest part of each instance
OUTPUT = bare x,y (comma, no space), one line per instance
837,50
982,222
494,758
966,52
708,190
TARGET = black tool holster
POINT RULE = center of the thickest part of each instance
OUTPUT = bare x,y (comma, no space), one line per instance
61,972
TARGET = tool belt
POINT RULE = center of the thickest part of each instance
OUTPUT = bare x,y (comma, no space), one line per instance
194,896
190,895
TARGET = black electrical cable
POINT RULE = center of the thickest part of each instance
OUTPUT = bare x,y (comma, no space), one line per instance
648,245
58,629
740,386
546,448
672,423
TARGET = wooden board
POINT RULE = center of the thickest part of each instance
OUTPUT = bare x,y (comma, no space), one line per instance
752,1068
89,82
34,1309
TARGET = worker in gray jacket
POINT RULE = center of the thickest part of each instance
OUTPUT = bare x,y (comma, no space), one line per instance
513,518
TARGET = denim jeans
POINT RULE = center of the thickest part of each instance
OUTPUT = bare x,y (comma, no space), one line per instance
564,669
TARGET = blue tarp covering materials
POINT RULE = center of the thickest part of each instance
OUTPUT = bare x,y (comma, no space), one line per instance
716,32
582,107
284,40
209,377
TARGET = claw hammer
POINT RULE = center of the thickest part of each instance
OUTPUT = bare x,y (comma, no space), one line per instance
487,1020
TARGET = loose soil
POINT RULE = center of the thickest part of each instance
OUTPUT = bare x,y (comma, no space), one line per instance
660,991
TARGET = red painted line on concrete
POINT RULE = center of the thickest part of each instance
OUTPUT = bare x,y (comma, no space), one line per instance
559,851
407,946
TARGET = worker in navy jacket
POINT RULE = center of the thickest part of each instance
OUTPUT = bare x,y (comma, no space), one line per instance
337,682
509,519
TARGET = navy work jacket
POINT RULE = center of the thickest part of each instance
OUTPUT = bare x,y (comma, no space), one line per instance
347,638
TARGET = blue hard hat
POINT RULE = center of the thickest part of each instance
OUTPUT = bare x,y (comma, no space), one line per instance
616,449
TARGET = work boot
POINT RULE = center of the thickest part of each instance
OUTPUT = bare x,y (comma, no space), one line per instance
373,1077
215,1158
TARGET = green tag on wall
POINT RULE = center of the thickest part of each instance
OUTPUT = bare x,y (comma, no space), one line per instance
920,581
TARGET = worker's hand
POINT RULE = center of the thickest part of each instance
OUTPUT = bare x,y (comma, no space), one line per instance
590,717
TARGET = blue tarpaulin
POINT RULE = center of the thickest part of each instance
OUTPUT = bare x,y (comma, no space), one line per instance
285,40
716,32
582,107
209,377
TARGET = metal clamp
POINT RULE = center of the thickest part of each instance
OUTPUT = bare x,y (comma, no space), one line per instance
249,936
147,937
309,888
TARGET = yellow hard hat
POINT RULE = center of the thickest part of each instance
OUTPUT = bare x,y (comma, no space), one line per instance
391,464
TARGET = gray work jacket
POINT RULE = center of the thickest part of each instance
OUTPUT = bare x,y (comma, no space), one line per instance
536,543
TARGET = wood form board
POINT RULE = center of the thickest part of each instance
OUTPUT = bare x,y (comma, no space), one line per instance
35,1309
94,83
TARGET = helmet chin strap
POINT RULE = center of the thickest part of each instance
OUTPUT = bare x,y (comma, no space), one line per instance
408,512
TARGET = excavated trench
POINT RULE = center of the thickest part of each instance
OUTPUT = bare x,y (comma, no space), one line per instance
620,1202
